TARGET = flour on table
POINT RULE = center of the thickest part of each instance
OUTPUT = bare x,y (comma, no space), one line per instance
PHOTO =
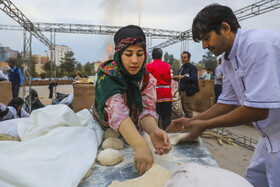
157,176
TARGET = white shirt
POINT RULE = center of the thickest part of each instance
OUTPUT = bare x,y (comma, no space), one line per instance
218,73
206,76
252,78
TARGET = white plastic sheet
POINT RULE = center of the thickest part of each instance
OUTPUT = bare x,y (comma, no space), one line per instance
57,149
9,127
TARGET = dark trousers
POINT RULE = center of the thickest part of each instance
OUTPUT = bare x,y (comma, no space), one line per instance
15,89
51,92
164,110
218,90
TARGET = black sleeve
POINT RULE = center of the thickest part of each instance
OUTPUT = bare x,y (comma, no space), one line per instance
193,75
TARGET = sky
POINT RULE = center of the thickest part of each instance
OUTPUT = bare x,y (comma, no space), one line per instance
162,14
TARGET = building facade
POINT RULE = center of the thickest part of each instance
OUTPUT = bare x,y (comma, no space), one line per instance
60,51
6,53
39,62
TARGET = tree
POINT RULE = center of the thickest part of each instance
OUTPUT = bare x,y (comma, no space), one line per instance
79,67
171,60
149,59
47,69
68,64
199,66
29,64
176,67
209,61
88,69
19,61
166,57
43,75
33,70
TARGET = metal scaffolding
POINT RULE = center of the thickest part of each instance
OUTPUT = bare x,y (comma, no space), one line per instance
250,11
11,10
53,63
151,33
239,139
256,9
93,29
27,68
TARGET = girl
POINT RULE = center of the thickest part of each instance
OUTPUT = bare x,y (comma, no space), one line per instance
125,95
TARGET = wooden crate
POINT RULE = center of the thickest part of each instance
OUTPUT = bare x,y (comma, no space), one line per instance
84,95
5,92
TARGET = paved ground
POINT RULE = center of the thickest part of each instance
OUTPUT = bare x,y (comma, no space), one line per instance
43,92
233,158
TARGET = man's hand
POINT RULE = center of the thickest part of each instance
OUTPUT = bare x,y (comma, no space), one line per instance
180,76
175,78
160,141
194,127
177,125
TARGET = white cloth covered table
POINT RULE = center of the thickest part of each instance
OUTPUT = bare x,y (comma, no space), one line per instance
58,147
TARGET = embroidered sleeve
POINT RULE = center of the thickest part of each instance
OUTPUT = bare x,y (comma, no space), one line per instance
117,111
149,99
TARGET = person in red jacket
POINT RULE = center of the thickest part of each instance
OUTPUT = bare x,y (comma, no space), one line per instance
161,71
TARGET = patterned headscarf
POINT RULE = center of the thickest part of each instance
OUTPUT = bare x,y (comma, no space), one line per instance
6,69
113,78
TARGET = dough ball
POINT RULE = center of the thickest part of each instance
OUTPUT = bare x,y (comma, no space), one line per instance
175,138
113,143
109,157
110,133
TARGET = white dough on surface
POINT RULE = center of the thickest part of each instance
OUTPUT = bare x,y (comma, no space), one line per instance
175,138
110,133
109,157
155,177
113,143
197,175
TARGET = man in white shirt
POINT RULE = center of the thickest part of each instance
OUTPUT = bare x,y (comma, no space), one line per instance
251,88
207,75
218,81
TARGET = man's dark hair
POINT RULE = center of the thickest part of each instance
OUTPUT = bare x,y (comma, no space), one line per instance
186,52
210,18
157,53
